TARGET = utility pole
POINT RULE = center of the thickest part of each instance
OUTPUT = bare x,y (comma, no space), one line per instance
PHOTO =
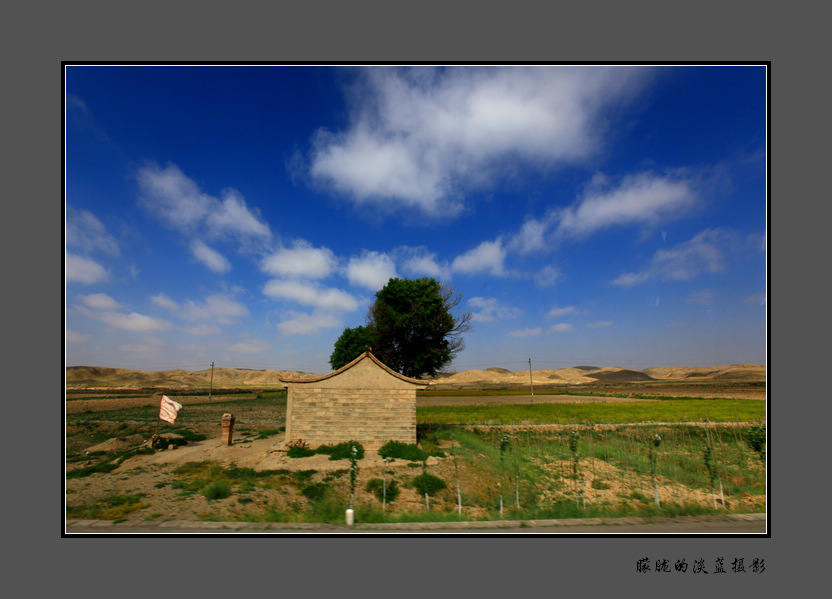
211,388
531,383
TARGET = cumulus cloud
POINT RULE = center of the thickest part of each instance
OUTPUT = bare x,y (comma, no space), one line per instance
307,324
87,234
489,256
556,312
643,199
203,329
547,276
83,270
421,136
639,199
561,327
300,260
217,307
421,262
210,258
164,301
250,345
176,200
310,294
488,309
100,301
703,253
73,337
134,322
703,297
371,270
525,332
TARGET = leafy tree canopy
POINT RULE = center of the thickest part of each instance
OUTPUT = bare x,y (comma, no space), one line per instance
410,327
351,344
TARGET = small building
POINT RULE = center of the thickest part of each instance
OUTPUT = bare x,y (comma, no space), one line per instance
364,401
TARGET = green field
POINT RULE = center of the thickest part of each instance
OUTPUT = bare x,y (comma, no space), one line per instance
666,410
498,461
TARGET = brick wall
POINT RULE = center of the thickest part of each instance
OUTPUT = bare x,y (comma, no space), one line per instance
370,416
364,401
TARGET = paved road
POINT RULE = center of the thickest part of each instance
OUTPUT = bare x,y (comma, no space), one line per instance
734,524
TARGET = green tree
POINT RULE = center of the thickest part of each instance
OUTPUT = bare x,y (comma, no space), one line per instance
411,327
351,344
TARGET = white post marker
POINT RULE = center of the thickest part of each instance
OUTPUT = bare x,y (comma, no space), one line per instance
350,517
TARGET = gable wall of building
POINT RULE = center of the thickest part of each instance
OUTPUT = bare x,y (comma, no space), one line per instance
320,415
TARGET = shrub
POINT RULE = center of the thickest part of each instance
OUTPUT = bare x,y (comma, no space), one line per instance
112,507
757,440
300,452
377,487
401,451
428,483
217,490
342,451
314,491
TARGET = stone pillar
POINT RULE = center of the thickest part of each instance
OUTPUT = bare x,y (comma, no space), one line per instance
227,429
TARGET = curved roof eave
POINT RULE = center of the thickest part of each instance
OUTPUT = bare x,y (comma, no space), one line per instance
346,367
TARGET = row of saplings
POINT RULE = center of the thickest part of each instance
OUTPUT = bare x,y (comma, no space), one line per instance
425,484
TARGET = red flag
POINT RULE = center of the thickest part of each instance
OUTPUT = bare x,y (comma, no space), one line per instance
169,409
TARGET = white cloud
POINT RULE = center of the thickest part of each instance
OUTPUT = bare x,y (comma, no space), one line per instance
307,324
420,262
488,256
203,329
556,312
703,253
88,234
73,337
301,260
135,322
100,301
640,199
419,137
83,270
176,200
371,270
531,237
233,217
210,258
547,276
643,199
488,309
250,345
218,307
703,297
561,327
165,302
600,323
311,294
525,333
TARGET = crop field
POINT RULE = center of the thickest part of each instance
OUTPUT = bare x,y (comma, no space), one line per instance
590,456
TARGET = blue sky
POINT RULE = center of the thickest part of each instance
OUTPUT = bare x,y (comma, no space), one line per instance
245,215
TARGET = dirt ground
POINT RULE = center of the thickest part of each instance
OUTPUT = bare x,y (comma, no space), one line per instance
152,476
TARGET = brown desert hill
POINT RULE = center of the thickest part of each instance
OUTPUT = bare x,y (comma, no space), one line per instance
620,376
734,372
96,377
86,377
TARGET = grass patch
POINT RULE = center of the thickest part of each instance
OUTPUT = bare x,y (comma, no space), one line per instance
428,483
668,410
111,507
401,451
